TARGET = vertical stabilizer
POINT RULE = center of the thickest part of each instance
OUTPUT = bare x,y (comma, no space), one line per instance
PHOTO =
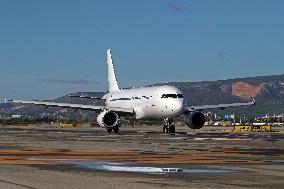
112,82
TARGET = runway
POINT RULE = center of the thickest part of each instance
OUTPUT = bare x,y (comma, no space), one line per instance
142,157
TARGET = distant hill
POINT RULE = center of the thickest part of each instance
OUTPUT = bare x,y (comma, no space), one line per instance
268,91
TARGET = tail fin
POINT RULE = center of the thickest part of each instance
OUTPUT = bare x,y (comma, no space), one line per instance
112,82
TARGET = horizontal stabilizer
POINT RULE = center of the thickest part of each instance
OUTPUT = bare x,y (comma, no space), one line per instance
75,106
86,97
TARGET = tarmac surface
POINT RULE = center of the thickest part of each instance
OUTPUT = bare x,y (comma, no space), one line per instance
141,157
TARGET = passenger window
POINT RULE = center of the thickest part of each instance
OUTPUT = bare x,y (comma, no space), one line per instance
145,97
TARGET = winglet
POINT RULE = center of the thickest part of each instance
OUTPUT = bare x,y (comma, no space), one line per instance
112,82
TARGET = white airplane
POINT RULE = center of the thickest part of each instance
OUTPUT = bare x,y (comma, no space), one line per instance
147,103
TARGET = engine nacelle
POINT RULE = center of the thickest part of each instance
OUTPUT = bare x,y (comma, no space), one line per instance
195,120
107,119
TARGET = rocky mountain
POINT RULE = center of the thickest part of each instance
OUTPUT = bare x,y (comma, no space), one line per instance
268,91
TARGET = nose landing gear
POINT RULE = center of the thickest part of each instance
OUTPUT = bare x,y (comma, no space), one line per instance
168,127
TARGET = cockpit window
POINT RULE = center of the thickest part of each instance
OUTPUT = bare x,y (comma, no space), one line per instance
179,95
172,96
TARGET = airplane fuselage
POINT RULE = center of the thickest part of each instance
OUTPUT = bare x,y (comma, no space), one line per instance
157,102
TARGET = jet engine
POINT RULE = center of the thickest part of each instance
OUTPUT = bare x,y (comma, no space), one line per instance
107,119
195,120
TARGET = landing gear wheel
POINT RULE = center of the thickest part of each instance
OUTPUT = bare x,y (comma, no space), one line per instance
109,130
165,129
116,129
172,129
168,127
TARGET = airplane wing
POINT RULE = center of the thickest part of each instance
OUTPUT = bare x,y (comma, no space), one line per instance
218,106
75,106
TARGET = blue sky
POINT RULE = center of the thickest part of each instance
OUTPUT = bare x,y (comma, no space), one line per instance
51,48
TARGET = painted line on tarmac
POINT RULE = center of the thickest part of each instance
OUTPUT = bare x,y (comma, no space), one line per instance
21,185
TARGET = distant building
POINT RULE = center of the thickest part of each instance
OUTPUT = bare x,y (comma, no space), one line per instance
16,116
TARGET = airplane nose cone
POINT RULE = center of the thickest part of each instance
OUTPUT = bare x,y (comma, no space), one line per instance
177,106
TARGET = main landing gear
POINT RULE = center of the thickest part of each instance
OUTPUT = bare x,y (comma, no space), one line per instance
114,128
169,127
